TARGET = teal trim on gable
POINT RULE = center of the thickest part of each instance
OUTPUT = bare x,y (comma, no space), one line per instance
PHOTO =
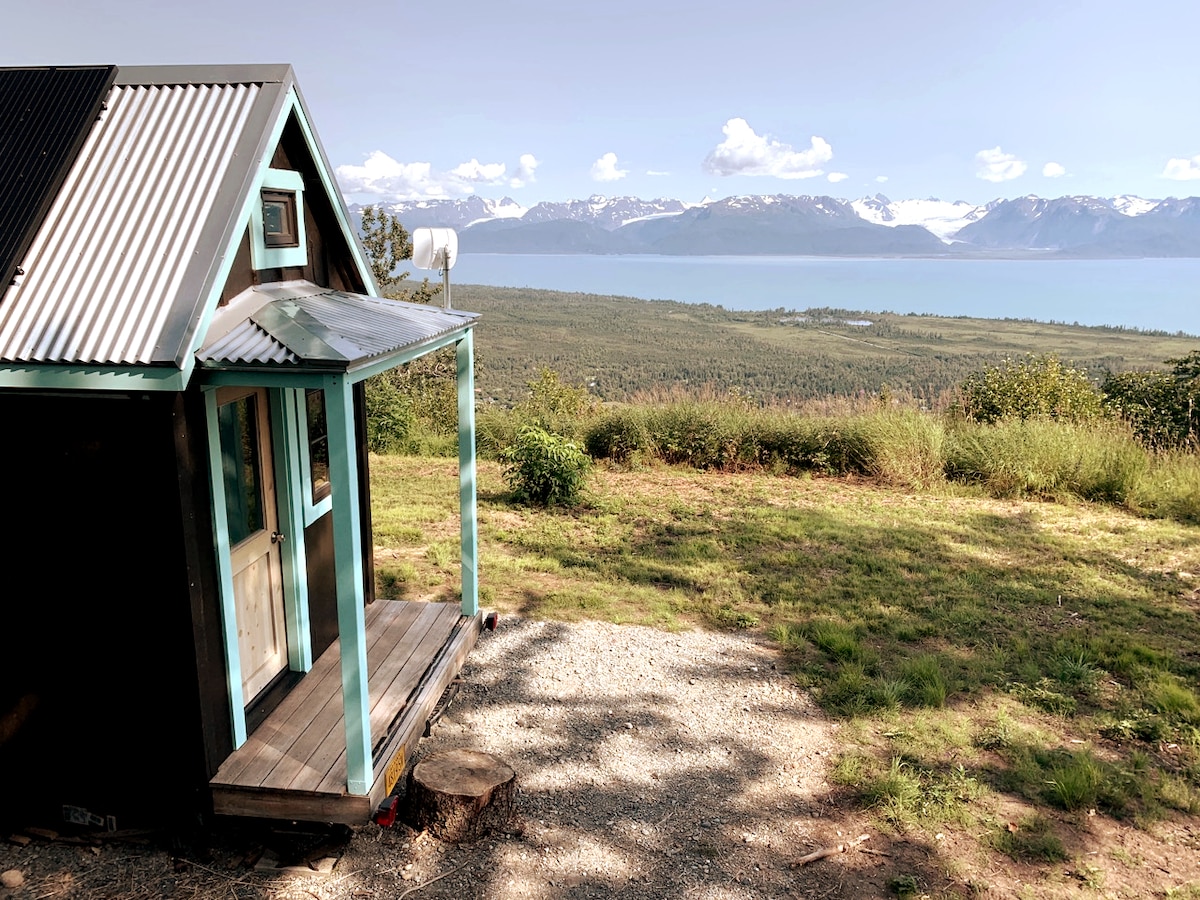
229,627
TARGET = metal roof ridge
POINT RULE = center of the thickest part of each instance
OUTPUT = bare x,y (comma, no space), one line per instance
200,74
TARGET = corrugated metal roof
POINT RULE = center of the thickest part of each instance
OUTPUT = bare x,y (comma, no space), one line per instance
45,116
323,328
103,274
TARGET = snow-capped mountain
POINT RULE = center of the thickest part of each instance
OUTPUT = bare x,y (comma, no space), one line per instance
787,224
941,217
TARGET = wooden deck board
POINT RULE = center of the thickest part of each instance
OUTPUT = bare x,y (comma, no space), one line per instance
389,704
294,764
296,717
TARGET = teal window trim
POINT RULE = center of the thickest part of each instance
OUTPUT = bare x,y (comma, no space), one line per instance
229,628
469,546
289,493
262,256
312,511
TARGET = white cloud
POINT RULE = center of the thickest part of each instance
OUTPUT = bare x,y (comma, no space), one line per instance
479,173
654,172
996,165
1053,170
526,171
1182,169
605,169
835,177
881,178
387,179
743,152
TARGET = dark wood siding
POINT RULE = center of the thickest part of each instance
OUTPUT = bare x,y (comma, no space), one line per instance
330,263
98,683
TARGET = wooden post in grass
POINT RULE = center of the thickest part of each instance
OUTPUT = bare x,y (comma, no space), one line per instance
460,795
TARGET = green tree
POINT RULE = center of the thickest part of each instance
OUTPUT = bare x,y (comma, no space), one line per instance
388,243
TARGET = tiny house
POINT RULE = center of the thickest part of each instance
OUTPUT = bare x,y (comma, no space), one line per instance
186,321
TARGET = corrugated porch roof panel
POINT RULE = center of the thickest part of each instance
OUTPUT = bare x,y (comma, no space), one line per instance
328,328
104,271
376,326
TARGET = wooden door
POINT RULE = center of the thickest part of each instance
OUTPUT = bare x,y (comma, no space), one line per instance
255,552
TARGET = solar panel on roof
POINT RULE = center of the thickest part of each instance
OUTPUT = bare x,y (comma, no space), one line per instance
45,116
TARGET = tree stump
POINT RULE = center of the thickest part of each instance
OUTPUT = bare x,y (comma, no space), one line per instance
460,795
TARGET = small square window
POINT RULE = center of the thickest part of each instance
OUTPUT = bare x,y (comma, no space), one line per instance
279,219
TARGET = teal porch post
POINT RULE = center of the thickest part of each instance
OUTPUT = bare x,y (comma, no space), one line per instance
465,353
347,547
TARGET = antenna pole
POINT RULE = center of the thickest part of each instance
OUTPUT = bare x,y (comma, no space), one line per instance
445,280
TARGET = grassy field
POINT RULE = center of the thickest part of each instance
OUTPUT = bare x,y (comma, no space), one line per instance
621,347
1016,675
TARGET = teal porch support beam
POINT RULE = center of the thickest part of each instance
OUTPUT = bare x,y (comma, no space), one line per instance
98,378
347,559
465,355
289,442
229,628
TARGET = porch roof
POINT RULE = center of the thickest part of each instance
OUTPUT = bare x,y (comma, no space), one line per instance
300,326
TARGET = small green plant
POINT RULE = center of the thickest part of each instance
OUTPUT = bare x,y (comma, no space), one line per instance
1031,840
1074,782
545,469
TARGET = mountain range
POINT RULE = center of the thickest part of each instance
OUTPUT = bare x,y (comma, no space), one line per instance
788,225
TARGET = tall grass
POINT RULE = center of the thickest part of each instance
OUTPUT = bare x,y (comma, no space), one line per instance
903,447
1050,460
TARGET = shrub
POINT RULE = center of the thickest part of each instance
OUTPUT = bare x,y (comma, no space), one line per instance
389,416
621,435
1162,408
554,406
544,468
1038,387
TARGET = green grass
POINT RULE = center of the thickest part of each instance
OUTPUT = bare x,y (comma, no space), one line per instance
975,647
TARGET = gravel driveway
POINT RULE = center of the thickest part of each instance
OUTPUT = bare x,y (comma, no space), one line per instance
650,765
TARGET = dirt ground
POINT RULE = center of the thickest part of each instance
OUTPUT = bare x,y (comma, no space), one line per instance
649,765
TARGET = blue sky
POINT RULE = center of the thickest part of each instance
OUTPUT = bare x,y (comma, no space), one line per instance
546,100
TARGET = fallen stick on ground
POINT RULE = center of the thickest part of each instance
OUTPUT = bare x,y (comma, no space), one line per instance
829,851
426,884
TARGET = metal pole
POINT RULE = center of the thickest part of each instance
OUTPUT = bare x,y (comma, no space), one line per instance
445,280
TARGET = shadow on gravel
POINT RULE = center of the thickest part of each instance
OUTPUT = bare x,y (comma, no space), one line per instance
642,794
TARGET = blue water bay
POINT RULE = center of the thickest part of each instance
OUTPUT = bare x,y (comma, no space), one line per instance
1156,294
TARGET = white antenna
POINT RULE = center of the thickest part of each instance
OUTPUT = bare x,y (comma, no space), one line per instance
436,248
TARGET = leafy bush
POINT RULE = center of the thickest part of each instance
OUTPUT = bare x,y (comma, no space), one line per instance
1038,387
620,434
544,468
554,406
390,416
1163,408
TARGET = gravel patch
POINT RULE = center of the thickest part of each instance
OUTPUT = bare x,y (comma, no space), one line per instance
649,765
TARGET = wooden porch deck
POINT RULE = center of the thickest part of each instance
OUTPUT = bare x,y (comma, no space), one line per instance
293,766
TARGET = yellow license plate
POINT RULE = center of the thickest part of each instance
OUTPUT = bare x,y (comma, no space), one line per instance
394,770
